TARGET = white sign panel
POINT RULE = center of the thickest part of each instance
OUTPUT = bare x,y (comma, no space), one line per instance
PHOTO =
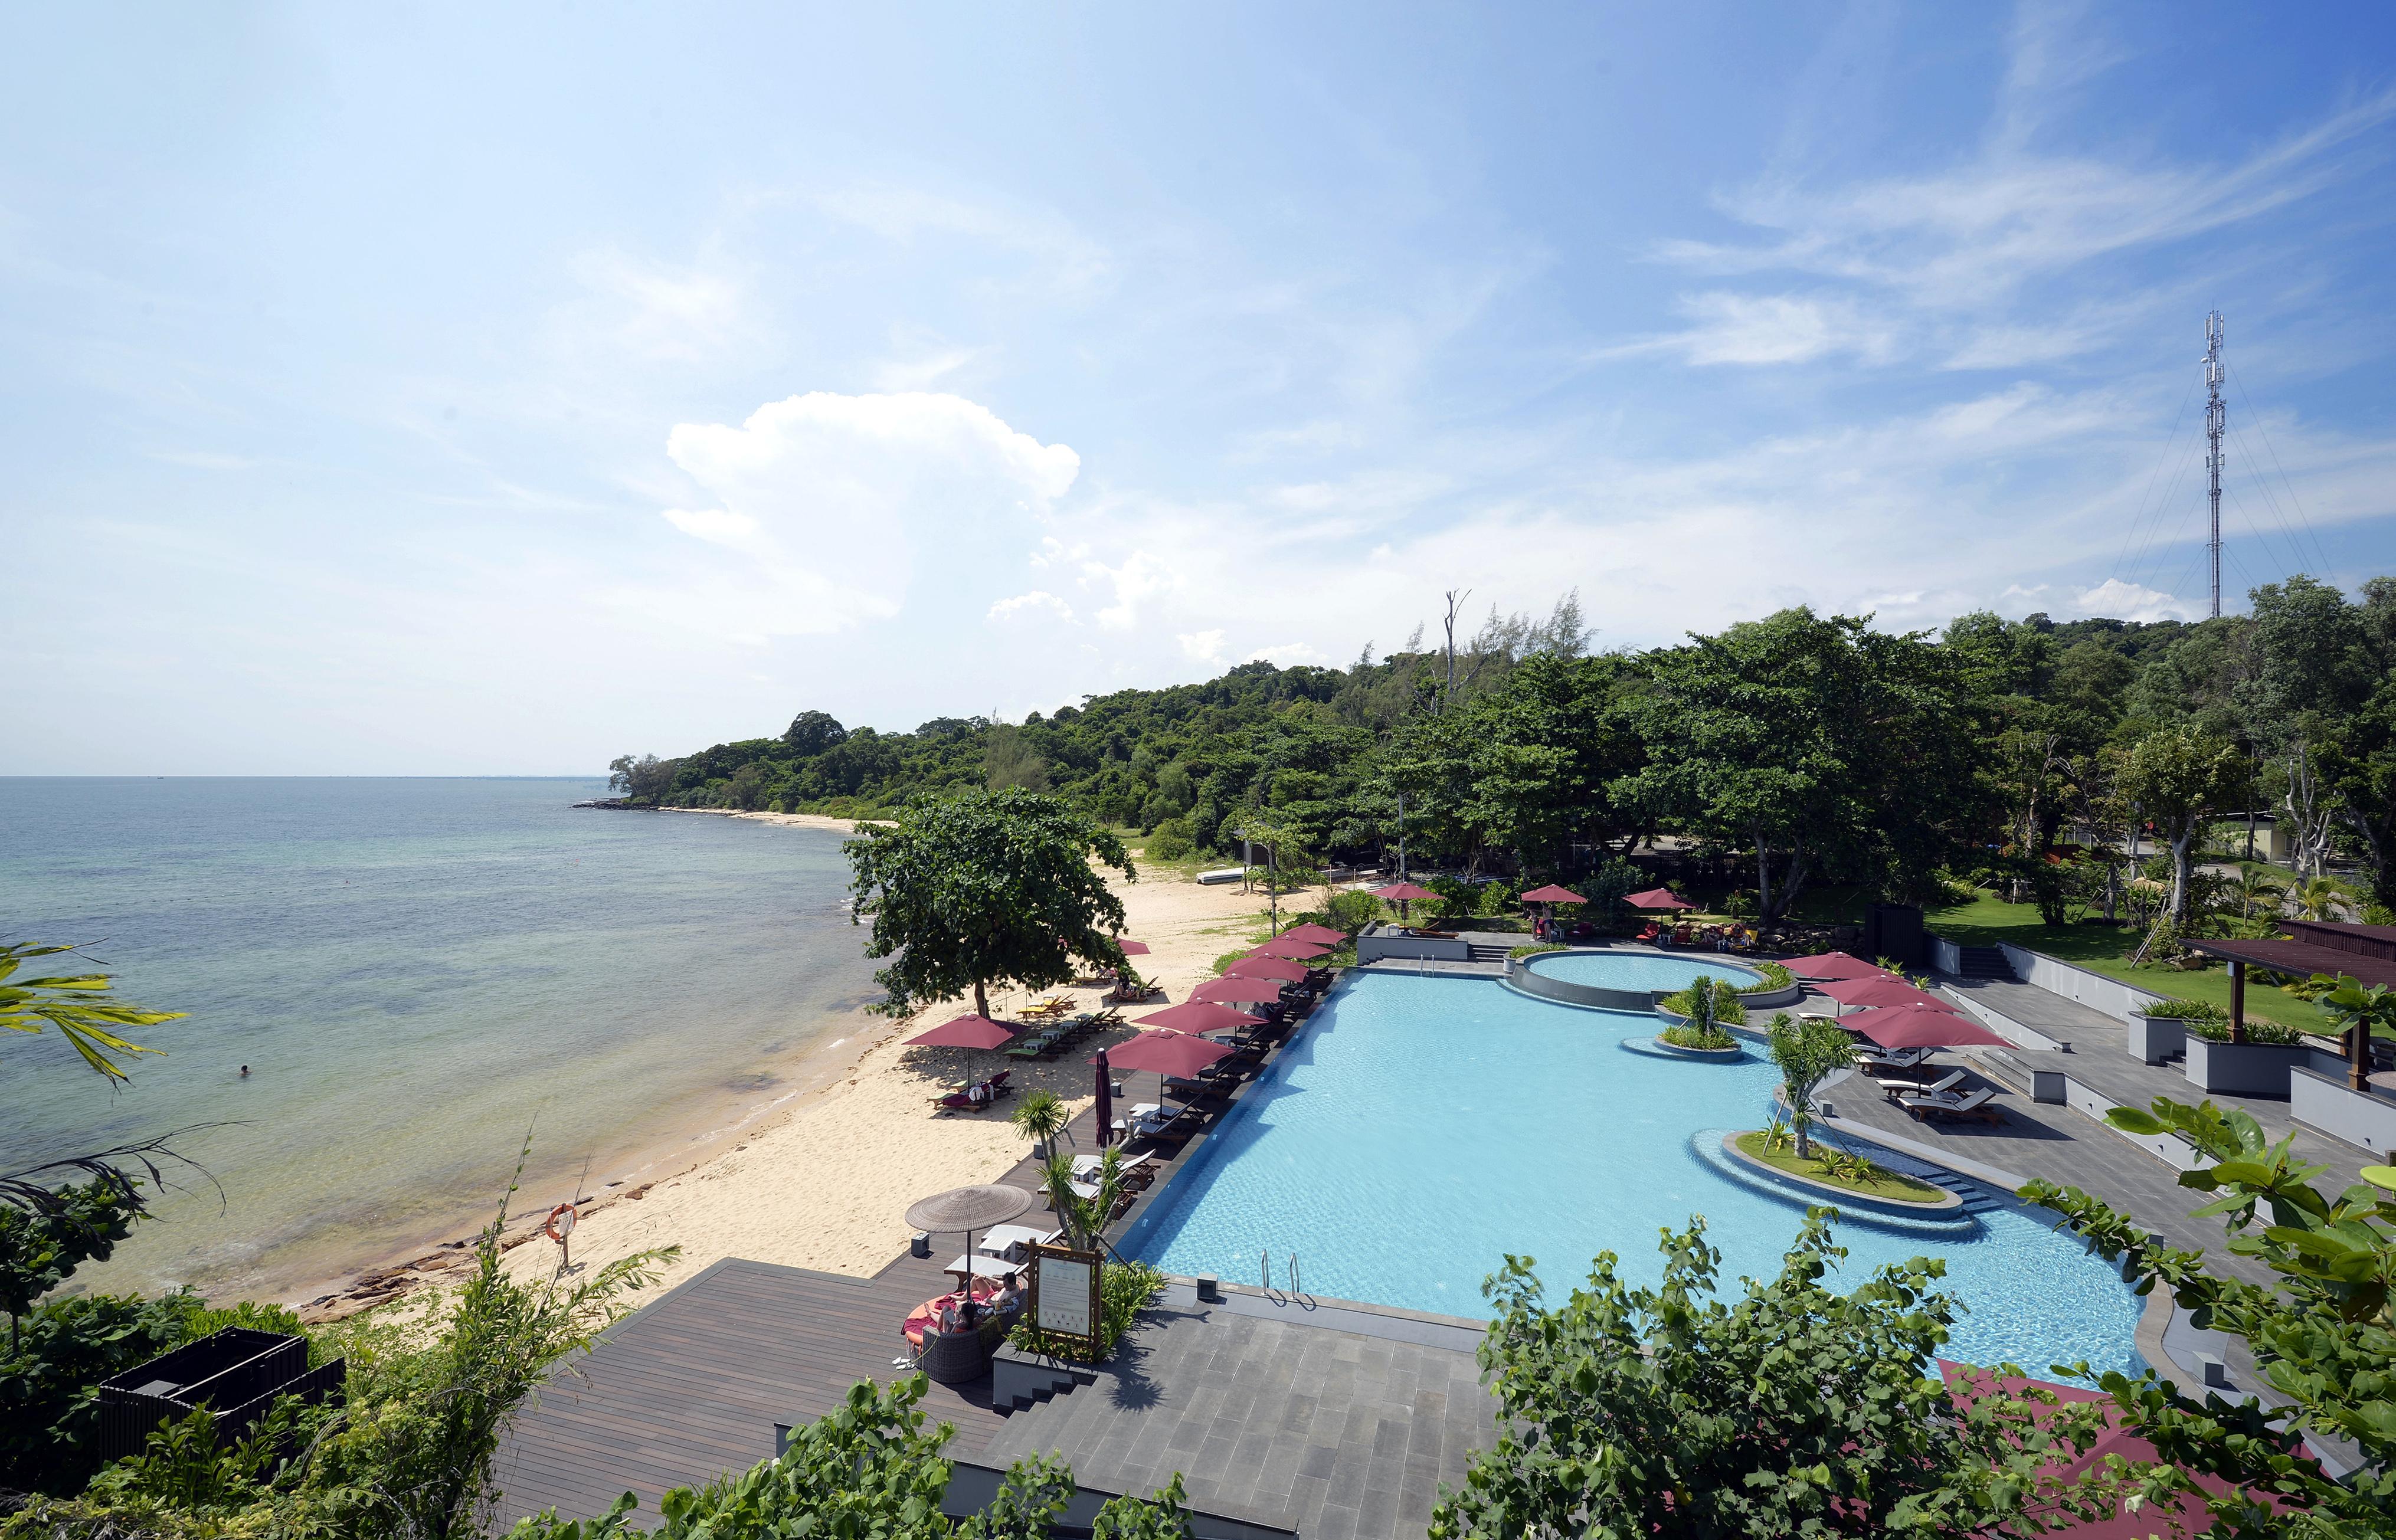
1064,1295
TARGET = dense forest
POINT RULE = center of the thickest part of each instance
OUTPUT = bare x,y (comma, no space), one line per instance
1806,748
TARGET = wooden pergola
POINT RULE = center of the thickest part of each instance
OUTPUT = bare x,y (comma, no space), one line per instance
2366,953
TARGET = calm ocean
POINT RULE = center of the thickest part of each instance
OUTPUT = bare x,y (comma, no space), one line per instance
414,971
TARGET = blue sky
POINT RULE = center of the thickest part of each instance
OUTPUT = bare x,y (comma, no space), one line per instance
500,389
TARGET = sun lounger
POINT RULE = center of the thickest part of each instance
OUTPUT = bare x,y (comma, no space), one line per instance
1900,1059
1950,1103
1895,1087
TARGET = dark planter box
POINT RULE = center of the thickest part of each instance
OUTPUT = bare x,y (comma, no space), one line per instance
237,1374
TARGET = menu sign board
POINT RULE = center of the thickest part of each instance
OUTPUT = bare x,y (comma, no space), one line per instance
1065,1295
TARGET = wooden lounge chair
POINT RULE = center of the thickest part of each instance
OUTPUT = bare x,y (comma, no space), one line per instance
1950,1103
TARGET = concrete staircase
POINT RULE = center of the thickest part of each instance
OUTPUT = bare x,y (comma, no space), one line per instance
1985,962
1486,951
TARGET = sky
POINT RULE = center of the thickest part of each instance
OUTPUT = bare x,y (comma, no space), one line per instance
496,389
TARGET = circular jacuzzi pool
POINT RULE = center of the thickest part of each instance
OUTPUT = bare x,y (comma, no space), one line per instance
1636,971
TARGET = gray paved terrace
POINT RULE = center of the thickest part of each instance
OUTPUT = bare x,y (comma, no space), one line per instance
1336,1434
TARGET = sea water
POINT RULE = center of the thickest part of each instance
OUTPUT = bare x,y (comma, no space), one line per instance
417,972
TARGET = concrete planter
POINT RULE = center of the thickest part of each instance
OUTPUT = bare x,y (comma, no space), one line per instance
2244,1069
1718,1056
2364,1118
2154,1040
1946,1203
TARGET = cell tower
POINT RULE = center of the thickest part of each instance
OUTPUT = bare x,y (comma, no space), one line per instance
2216,418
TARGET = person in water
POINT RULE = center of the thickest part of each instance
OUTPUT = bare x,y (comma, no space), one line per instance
245,1071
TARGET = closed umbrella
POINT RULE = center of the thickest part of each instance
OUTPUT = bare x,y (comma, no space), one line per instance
966,1031
1235,990
1196,1016
1268,967
1106,1107
1882,989
1920,1027
1285,947
1831,965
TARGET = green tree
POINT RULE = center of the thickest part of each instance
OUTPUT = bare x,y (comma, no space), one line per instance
2320,1332
1544,748
1807,1052
982,888
1813,743
1289,866
78,1005
1793,1411
644,779
2178,778
1041,1116
40,1247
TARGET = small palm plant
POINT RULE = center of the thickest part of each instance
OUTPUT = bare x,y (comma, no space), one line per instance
1084,1219
2319,900
1041,1117
2258,886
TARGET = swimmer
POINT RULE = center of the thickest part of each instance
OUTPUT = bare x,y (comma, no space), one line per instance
245,1071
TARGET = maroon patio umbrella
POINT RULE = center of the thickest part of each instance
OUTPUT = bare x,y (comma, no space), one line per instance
1920,1027
1285,947
1106,1107
966,1031
1551,893
1324,934
1831,965
1268,967
1659,898
1233,990
1132,948
1882,989
1194,1015
1168,1053
1403,895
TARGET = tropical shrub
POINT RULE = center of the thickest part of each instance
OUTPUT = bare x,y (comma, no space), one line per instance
1719,994
1536,947
2268,1034
1775,977
1124,1290
2180,1010
1688,1035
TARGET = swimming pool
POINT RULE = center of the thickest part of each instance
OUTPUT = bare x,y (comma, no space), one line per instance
1417,1129
1638,970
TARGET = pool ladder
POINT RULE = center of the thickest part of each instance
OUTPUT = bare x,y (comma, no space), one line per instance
1264,1269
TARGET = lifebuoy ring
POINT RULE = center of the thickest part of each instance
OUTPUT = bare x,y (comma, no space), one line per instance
560,1224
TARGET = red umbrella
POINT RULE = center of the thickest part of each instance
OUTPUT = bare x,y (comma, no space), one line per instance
1132,948
1920,1027
1401,893
1659,898
1268,967
1196,1016
1324,934
1881,990
1168,1052
1285,947
1234,989
966,1031
1552,895
1831,965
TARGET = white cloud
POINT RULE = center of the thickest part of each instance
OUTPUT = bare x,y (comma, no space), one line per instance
1006,609
1205,646
826,499
1733,328
2118,600
1286,655
656,310
1139,577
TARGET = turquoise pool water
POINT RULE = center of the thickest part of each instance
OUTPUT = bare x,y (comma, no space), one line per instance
1419,1129
1630,970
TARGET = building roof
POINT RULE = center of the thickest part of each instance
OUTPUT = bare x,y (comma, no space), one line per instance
2303,958
2369,940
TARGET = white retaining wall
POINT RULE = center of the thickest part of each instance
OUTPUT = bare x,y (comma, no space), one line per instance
2094,991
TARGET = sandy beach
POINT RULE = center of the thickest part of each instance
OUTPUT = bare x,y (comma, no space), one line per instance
822,1180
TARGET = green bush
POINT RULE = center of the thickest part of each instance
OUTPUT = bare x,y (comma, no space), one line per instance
1350,911
2268,1034
1124,1290
1683,1035
1171,841
2182,1010
1534,951
1727,1007
1775,977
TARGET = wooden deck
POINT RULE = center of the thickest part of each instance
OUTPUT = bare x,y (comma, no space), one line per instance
690,1386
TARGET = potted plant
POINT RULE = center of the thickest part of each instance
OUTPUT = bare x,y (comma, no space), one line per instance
1041,1117
2158,1029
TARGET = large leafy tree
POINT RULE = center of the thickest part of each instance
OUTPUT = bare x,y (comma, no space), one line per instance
982,888
2178,778
1814,743
2323,1332
1544,747
1793,1410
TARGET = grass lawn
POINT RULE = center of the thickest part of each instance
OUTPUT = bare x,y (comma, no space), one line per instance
1903,1189
1988,920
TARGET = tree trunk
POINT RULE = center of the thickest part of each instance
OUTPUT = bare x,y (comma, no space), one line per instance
2180,863
1762,882
981,1001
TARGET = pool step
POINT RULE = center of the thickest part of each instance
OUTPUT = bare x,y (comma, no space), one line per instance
1977,1199
1483,951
